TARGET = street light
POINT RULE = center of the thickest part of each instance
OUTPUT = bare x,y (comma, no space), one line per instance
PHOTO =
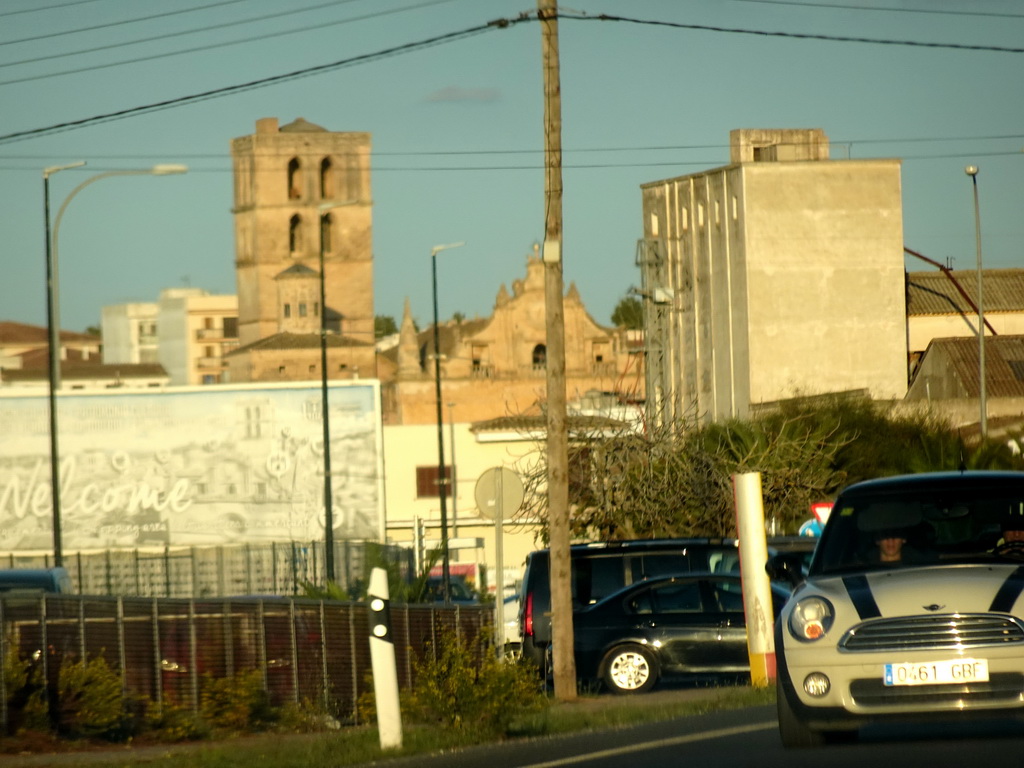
53,315
328,490
972,171
445,570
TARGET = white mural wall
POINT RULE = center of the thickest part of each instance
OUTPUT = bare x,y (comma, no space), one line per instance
191,466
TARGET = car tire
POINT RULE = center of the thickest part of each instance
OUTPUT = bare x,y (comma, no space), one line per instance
629,669
794,732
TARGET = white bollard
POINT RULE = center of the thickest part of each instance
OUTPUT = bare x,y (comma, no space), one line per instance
382,654
757,591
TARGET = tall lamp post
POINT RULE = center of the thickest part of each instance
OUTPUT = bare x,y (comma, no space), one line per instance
445,567
972,171
53,314
322,209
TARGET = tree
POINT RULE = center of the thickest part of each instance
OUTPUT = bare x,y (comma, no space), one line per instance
384,325
629,314
676,480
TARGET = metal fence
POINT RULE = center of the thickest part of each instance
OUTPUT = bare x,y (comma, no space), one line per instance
274,568
311,652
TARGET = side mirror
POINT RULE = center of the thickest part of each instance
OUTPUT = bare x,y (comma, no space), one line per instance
786,567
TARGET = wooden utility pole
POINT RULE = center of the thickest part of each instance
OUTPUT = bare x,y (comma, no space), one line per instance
562,641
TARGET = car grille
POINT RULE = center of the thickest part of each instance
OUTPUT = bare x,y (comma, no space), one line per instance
950,631
1004,687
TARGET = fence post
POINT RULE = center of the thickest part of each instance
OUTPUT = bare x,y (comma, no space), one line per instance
158,666
325,682
3,657
193,658
295,651
122,658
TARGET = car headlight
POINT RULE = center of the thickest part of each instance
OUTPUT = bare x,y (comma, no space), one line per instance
811,618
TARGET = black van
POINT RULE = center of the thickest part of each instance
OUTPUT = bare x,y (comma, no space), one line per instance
602,568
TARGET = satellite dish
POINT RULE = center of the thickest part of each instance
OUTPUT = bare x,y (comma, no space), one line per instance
498,491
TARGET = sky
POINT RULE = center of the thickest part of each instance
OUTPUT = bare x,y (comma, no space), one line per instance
457,129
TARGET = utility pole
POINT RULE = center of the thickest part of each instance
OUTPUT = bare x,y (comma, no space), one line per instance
562,640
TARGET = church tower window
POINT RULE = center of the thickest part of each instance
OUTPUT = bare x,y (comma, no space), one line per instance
295,234
325,233
294,185
540,356
326,179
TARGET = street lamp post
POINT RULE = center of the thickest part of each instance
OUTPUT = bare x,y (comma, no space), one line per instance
54,374
323,208
53,316
972,171
445,567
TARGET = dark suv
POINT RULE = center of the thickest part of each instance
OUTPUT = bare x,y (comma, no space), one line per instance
602,568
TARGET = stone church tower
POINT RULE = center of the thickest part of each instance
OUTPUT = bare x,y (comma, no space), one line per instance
286,179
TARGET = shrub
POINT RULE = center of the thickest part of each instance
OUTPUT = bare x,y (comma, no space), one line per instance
462,684
235,703
91,701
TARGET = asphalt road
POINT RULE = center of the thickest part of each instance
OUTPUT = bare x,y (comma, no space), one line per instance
739,738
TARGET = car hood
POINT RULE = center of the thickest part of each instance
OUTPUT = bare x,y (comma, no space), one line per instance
932,589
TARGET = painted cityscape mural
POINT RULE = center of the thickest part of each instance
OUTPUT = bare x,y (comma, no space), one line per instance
190,466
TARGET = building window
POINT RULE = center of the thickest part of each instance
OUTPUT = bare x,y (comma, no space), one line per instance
302,309
326,180
427,486
312,369
287,310
295,234
540,356
231,327
280,370
294,190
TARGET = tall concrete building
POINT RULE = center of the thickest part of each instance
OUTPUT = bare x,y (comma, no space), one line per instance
196,332
301,192
778,275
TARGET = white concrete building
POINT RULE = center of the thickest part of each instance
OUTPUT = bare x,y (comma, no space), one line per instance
780,274
129,333
196,330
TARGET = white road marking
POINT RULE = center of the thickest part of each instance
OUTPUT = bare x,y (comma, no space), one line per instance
647,745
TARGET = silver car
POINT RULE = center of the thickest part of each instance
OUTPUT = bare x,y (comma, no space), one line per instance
912,608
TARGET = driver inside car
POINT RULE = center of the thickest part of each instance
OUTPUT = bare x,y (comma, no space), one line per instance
1013,530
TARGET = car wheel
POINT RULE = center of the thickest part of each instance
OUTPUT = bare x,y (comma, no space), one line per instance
629,669
793,730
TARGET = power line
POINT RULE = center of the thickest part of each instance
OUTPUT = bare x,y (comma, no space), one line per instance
438,40
884,9
211,46
182,33
248,86
108,25
792,35
566,150
4,14
538,166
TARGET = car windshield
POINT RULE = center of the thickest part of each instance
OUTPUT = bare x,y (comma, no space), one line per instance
901,525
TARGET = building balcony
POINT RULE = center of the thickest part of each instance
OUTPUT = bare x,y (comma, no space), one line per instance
211,363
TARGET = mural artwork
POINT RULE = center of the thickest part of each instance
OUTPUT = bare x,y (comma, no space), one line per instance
190,466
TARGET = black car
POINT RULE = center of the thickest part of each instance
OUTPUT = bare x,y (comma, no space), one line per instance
683,624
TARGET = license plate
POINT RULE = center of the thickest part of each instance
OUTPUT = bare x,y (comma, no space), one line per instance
937,672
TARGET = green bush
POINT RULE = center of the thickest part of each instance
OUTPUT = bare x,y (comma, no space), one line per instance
173,723
463,685
234,703
91,701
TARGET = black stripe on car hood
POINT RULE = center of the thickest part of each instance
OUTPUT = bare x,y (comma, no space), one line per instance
1008,592
860,594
